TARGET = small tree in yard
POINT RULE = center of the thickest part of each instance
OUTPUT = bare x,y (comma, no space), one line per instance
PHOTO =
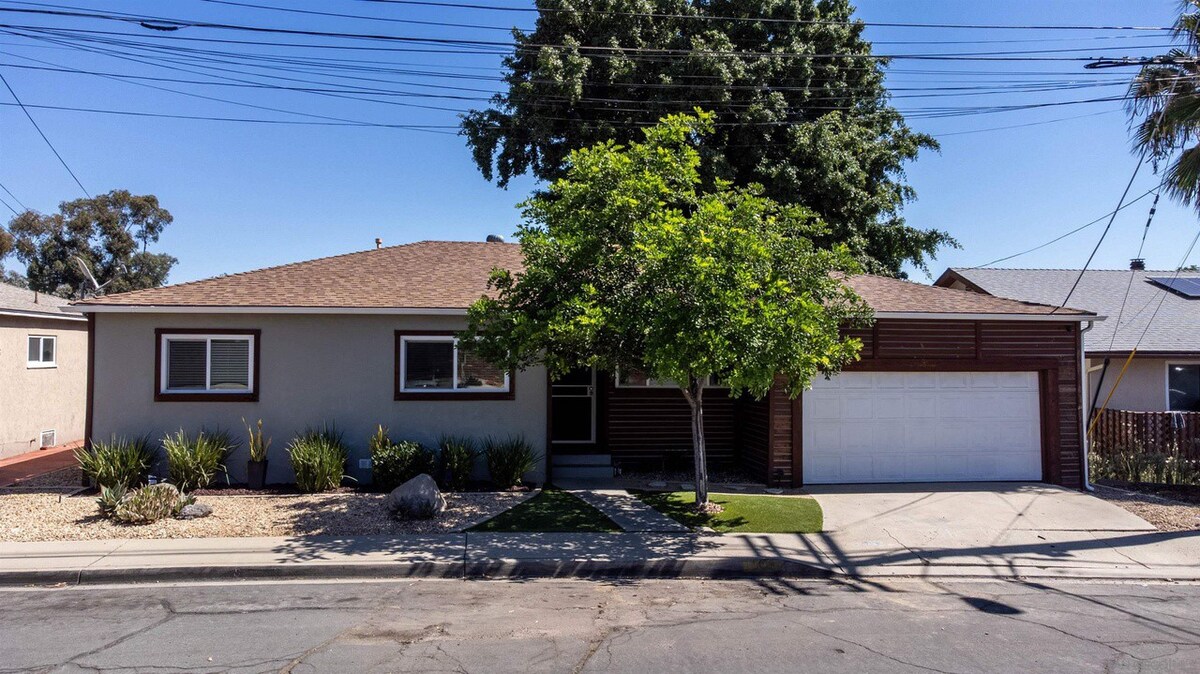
630,265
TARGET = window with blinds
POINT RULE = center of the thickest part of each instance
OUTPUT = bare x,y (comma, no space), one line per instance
207,363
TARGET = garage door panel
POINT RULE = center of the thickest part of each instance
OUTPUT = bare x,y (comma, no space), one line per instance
922,426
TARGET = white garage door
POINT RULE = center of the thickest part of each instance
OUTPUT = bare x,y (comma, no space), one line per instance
922,427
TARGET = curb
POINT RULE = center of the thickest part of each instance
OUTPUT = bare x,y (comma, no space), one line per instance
491,569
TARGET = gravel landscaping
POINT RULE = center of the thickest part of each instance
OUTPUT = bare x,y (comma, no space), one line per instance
46,513
1165,513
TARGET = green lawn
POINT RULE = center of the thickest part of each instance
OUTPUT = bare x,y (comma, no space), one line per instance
744,513
551,510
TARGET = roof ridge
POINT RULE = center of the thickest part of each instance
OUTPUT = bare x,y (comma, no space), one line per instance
1143,271
410,244
970,292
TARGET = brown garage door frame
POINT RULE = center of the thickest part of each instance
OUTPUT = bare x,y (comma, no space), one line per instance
1047,370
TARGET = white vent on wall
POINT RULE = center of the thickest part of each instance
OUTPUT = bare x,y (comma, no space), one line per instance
48,439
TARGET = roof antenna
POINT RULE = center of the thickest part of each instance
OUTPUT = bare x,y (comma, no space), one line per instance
378,243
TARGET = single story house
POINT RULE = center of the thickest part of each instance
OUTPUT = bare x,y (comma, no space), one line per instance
43,372
1156,312
952,385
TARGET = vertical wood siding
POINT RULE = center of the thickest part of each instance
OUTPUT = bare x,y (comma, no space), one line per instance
651,429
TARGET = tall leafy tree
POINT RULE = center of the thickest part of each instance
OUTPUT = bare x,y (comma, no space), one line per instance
631,263
1165,106
109,233
800,106
8,276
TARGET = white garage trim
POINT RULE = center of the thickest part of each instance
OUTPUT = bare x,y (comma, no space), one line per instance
922,427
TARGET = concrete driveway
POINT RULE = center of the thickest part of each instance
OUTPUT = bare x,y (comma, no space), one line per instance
994,529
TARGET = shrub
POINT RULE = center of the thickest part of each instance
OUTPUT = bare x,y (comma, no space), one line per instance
258,445
458,459
394,463
509,459
110,498
318,459
117,463
1135,464
194,462
149,504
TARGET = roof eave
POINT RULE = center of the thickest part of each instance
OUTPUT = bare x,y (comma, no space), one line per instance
39,314
964,316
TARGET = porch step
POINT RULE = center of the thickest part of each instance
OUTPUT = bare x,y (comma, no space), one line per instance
582,472
582,459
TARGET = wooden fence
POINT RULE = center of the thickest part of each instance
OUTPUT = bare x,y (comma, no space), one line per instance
1122,430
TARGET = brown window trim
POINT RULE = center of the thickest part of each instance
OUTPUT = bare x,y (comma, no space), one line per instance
510,394
159,396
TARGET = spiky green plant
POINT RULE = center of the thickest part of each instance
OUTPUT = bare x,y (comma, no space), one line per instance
149,504
110,498
458,460
194,462
318,459
259,446
394,463
120,462
509,459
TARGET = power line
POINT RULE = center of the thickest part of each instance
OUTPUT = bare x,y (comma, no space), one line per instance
43,135
1063,236
14,197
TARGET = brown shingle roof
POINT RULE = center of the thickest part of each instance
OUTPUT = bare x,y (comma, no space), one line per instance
453,274
885,294
423,275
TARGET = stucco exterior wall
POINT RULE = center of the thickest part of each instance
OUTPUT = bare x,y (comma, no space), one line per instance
1142,389
33,400
313,369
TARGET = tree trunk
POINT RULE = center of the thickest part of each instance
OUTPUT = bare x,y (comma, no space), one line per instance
695,397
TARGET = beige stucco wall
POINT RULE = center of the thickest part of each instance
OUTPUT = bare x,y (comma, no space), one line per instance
33,400
1142,389
314,368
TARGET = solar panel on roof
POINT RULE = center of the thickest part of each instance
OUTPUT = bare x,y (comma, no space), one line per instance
1188,287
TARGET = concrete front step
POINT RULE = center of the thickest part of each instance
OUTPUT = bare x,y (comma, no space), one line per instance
582,472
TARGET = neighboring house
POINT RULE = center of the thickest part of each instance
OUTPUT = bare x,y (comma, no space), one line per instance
1156,312
43,372
952,385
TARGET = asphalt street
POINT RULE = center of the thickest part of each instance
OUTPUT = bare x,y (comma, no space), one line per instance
590,626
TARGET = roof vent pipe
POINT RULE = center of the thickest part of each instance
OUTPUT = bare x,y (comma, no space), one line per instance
378,243
1137,264
495,238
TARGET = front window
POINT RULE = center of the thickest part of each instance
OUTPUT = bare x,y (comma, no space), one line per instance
207,364
436,364
43,351
1183,387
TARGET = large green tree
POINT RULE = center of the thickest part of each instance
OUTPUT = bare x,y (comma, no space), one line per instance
1165,106
105,237
800,106
632,264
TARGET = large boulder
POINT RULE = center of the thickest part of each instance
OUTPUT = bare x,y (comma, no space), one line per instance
418,498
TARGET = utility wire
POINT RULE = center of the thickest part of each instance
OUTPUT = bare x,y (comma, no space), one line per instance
43,135
1141,247
14,197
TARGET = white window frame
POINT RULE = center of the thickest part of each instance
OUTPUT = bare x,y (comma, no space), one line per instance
41,364
1167,381
454,387
165,356
659,384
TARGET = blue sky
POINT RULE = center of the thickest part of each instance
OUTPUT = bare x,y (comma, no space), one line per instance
246,196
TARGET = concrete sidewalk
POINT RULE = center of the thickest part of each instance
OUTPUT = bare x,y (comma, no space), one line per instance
1084,555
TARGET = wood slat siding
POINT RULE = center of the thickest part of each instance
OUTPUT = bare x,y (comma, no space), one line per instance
1052,349
754,434
1156,432
650,429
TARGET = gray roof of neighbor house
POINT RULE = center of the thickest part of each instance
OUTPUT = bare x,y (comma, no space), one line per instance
1176,318
429,276
16,301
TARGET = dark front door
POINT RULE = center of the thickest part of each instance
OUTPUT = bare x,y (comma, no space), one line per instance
573,408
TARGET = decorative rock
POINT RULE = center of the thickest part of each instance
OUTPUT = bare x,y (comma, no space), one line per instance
774,491
418,498
656,484
195,511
